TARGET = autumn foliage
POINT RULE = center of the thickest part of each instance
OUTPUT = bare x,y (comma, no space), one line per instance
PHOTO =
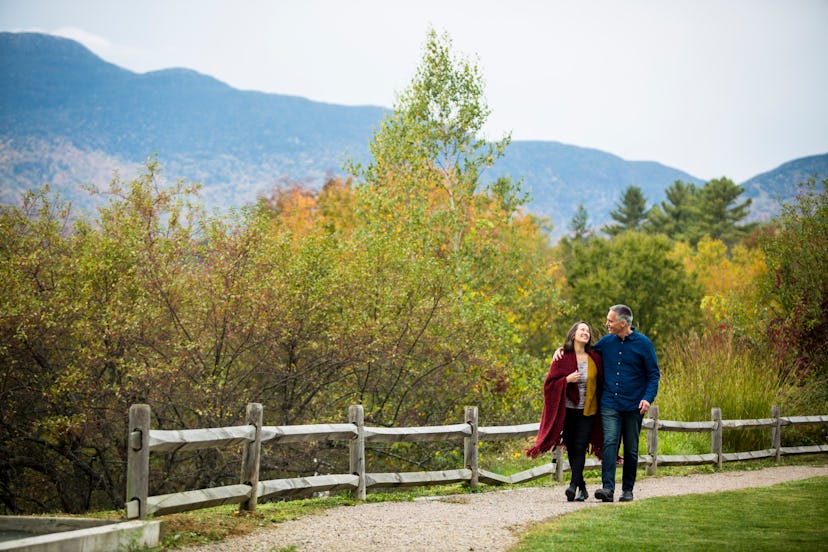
413,287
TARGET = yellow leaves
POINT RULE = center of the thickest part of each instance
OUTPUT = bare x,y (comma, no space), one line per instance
729,280
295,208
714,305
716,270
54,428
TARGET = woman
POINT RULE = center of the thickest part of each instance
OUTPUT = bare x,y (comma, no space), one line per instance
570,406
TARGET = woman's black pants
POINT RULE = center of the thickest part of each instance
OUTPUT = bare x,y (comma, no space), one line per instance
576,434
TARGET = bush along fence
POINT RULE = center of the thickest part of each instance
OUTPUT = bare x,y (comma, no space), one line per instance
142,440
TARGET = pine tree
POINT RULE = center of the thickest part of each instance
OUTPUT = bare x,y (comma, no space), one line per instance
630,213
578,225
678,216
719,215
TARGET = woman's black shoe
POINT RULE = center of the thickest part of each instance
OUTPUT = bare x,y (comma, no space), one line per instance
582,495
570,493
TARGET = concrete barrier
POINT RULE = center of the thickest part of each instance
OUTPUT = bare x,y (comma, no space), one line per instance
64,534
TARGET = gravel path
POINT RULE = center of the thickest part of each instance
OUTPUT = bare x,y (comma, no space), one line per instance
488,521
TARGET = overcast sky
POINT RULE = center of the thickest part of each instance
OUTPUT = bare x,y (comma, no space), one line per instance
712,87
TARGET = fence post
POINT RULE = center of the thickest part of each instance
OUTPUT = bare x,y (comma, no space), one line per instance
716,436
471,453
356,416
652,441
776,432
137,484
251,458
557,455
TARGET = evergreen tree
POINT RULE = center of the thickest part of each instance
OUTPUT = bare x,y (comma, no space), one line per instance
678,216
578,225
719,215
630,212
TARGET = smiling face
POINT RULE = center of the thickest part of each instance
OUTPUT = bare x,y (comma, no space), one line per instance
582,334
616,326
578,337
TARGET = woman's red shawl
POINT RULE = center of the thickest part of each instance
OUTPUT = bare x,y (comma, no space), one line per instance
555,391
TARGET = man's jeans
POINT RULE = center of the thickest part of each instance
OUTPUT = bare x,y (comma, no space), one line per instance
615,424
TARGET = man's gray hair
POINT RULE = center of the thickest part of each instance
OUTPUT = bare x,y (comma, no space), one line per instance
623,312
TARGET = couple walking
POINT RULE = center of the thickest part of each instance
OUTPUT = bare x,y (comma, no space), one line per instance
596,395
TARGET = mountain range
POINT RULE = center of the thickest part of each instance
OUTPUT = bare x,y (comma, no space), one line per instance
71,119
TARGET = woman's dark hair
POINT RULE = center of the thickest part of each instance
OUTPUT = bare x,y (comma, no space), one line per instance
569,342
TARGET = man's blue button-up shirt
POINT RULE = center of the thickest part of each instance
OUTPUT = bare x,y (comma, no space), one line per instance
630,370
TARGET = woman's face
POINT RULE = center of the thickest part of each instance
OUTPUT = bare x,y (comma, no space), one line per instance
582,334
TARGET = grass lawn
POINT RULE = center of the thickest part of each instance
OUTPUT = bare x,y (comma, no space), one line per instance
217,524
787,516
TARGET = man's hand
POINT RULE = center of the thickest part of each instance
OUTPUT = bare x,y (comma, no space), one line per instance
643,406
558,354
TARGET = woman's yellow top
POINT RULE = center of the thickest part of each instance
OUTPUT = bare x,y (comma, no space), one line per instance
591,400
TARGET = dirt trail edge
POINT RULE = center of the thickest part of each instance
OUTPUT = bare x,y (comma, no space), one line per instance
488,521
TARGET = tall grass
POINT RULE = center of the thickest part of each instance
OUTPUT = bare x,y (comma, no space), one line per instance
699,373
717,370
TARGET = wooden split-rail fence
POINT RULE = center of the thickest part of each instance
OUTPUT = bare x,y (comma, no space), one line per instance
143,440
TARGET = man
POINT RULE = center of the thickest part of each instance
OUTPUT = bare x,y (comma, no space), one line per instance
631,377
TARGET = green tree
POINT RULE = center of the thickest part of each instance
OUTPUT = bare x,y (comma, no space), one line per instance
97,315
638,270
41,442
630,212
678,215
80,331
457,252
427,155
579,224
720,215
413,291
796,284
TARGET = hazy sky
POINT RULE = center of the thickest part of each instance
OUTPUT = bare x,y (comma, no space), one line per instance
712,87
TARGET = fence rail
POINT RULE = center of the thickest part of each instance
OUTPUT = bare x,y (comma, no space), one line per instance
143,440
